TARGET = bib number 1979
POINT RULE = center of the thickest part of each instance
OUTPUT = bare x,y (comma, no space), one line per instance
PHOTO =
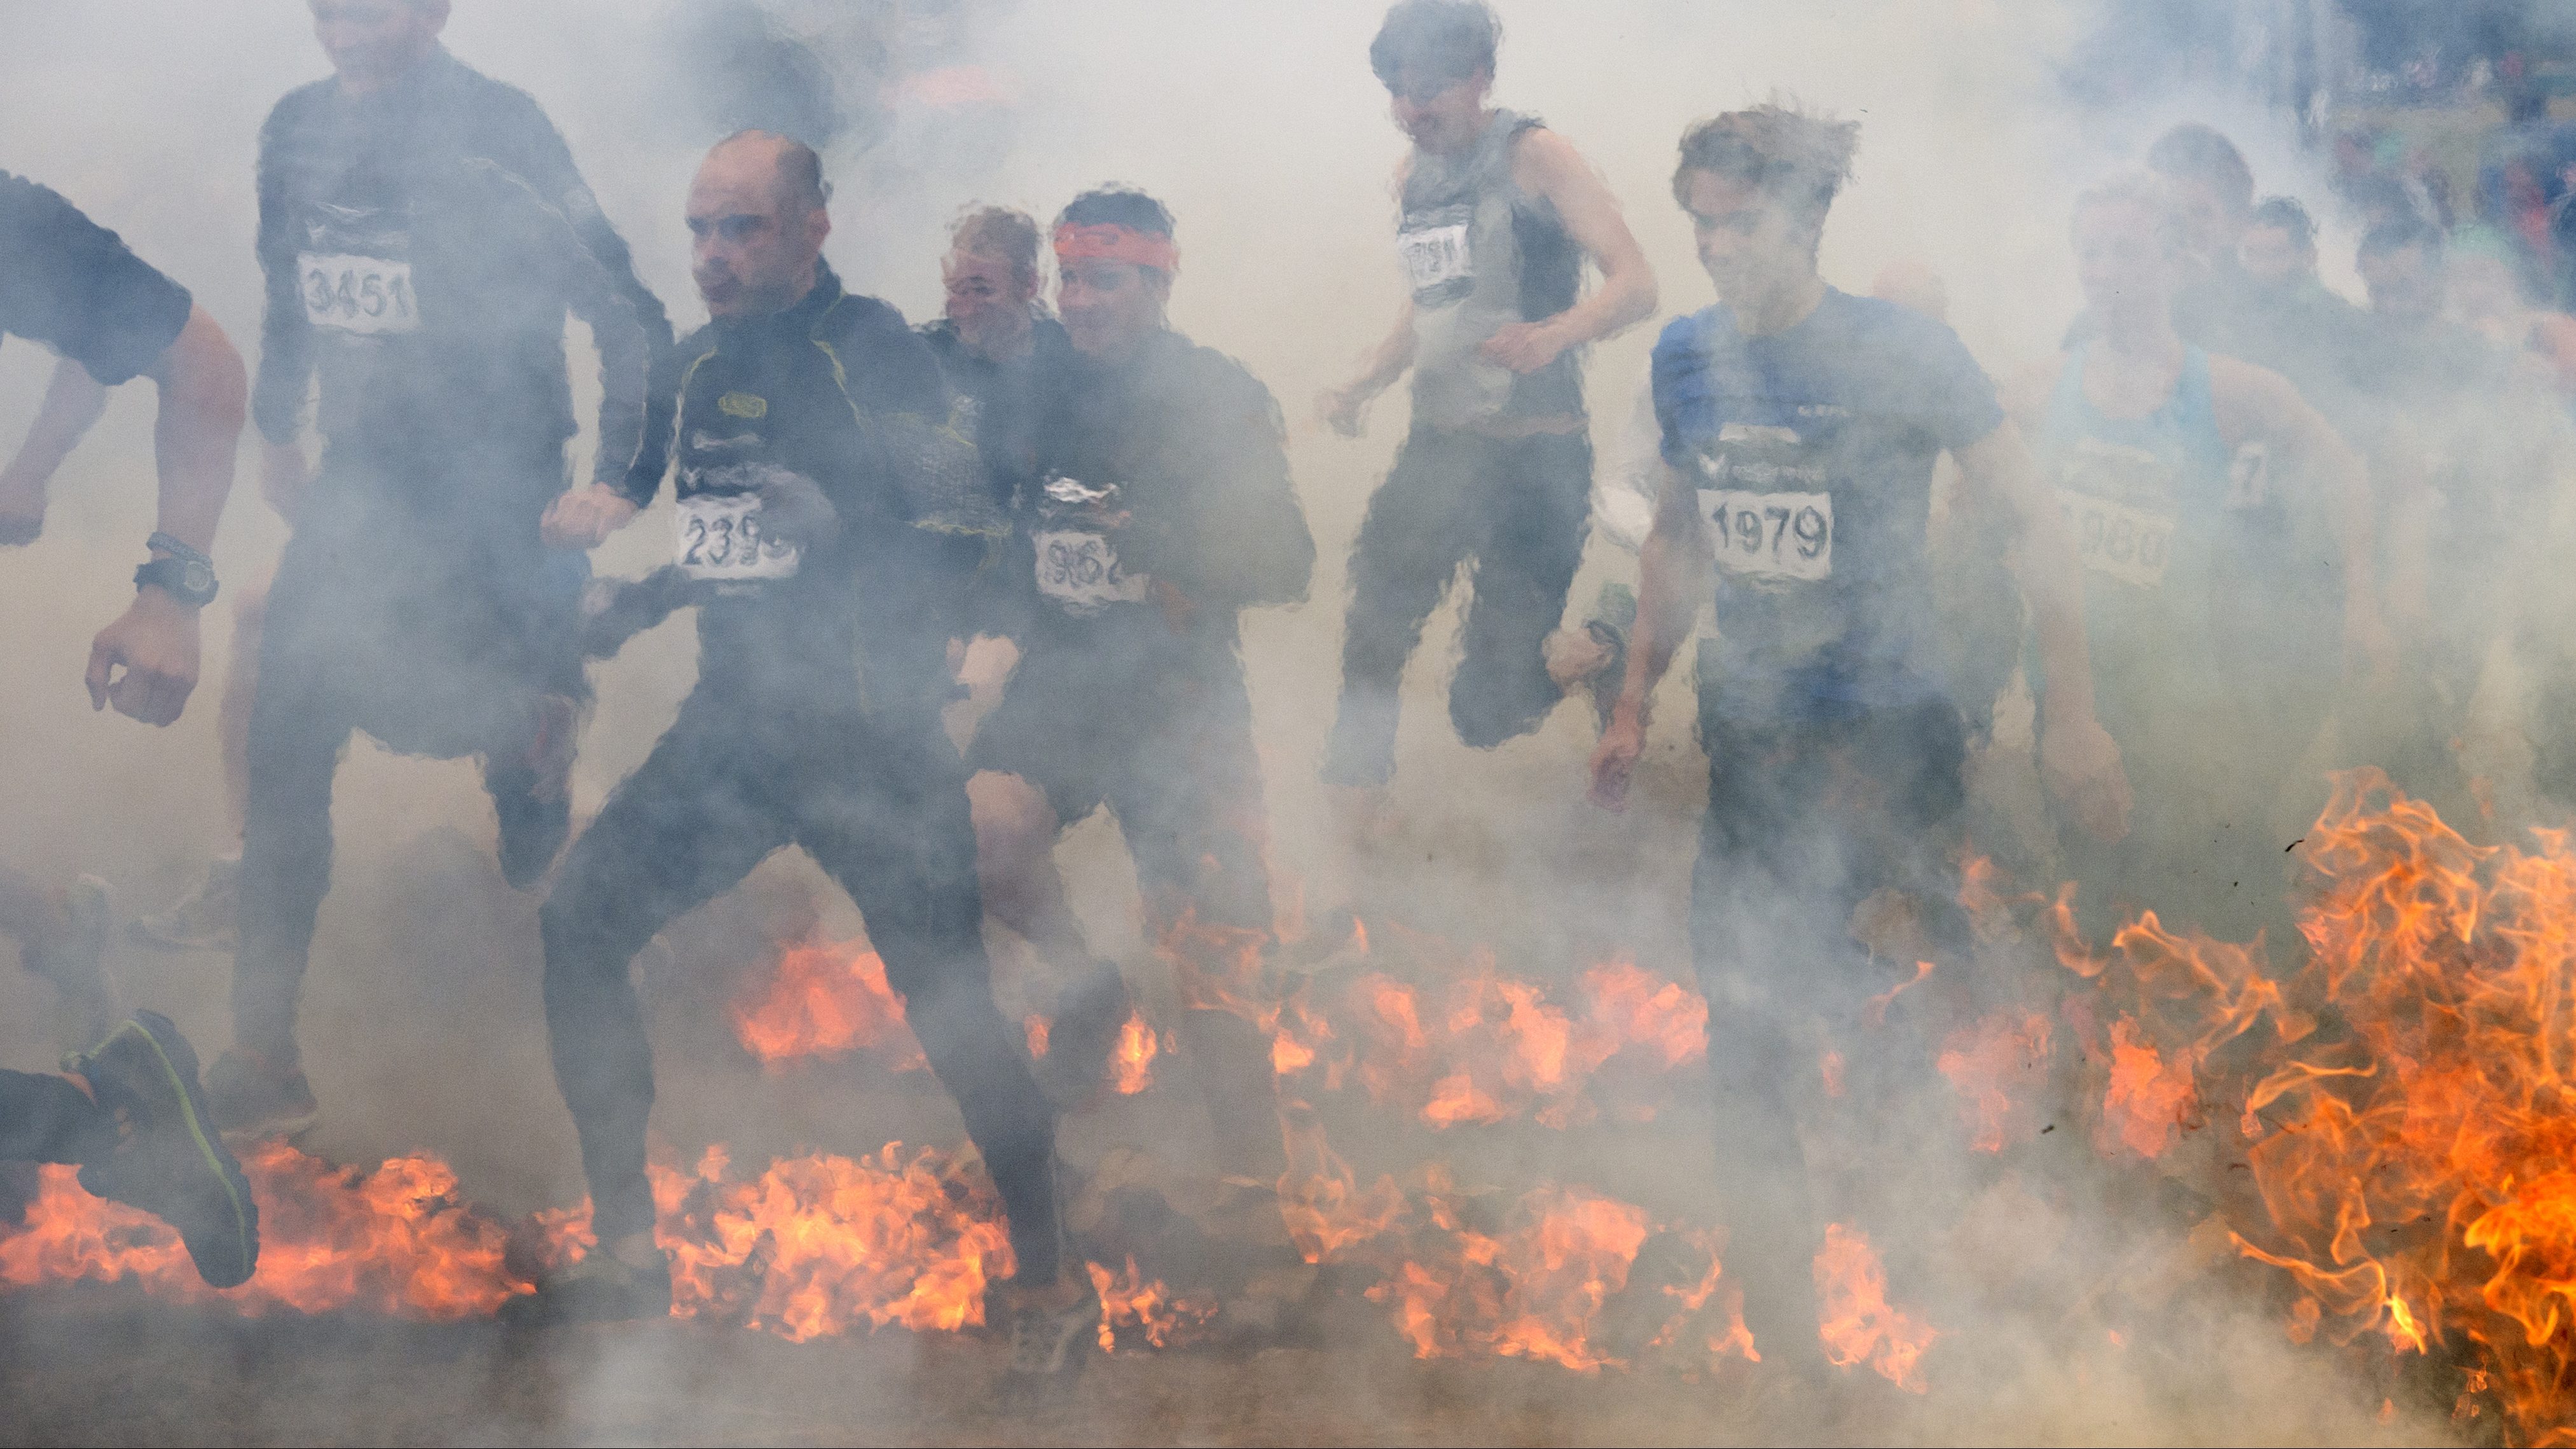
1787,536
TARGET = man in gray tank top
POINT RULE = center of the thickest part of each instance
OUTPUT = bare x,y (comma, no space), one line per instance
1499,215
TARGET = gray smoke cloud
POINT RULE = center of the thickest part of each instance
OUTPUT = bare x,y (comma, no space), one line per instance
1262,128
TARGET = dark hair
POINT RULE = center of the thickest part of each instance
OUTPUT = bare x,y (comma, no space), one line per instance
1004,232
800,167
2284,214
1798,160
1450,39
1117,206
2194,152
2393,236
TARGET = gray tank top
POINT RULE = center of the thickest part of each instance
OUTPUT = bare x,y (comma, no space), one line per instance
1482,253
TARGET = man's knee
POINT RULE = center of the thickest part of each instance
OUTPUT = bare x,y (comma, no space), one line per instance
1015,827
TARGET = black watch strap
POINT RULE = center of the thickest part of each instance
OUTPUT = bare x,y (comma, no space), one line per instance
189,581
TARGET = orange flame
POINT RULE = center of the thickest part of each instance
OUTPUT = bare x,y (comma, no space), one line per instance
1131,1064
397,1240
1855,1319
1995,1066
827,998
1137,1309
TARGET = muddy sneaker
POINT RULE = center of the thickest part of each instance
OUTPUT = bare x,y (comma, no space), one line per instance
168,1160
252,1097
601,1288
203,920
73,960
1089,1015
1053,1330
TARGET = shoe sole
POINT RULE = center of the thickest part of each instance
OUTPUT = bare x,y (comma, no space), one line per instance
218,1160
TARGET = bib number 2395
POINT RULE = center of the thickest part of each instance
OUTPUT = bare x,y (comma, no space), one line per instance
720,538
1787,536
370,296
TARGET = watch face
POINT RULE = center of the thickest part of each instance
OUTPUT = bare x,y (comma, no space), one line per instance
197,579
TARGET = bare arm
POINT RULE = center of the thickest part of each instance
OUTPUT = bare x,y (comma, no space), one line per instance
72,404
1672,574
2254,402
2078,759
204,400
145,663
1546,164
1344,409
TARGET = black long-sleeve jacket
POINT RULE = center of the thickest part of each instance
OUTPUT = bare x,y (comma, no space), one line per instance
1187,450
837,392
421,247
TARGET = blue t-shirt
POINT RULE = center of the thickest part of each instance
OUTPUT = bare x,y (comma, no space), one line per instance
1811,452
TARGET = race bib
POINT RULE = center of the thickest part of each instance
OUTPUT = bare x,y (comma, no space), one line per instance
2129,544
720,538
1784,536
1435,256
369,296
1080,572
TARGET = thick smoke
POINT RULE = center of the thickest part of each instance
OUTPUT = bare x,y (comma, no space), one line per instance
1262,128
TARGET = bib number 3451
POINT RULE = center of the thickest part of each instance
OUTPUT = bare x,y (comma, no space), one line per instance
370,296
720,538
1786,536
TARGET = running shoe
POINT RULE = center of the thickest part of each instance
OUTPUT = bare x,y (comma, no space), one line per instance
204,920
1053,1330
601,1288
168,1160
253,1097
73,960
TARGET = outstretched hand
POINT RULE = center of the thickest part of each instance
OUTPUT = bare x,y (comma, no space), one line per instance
1614,759
2081,765
145,663
585,517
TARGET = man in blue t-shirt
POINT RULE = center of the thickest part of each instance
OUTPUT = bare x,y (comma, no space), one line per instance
1800,426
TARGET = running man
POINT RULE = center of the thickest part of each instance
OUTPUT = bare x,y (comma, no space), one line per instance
834,530
1499,216
1800,428
129,1112
1161,508
424,234
2199,595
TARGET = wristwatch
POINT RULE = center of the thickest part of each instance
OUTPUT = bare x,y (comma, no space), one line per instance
186,575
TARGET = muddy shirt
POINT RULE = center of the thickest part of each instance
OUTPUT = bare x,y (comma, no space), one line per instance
71,284
1810,456
422,247
1169,468
837,393
1481,253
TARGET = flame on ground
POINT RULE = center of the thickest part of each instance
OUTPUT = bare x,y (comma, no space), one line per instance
827,999
1858,1324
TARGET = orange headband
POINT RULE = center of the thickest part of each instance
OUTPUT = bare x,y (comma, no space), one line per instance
1110,242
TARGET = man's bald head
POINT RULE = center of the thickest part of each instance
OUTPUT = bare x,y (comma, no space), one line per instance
795,168
757,212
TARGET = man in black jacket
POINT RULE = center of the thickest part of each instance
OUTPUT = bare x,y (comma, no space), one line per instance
1159,509
424,233
833,526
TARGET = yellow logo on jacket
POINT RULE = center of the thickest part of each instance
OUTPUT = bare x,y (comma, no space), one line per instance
742,405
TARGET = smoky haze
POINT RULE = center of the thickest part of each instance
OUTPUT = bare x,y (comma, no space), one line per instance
1262,128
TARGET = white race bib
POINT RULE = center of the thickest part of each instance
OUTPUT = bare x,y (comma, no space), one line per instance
720,537
1434,255
1080,572
2118,541
1787,536
370,296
